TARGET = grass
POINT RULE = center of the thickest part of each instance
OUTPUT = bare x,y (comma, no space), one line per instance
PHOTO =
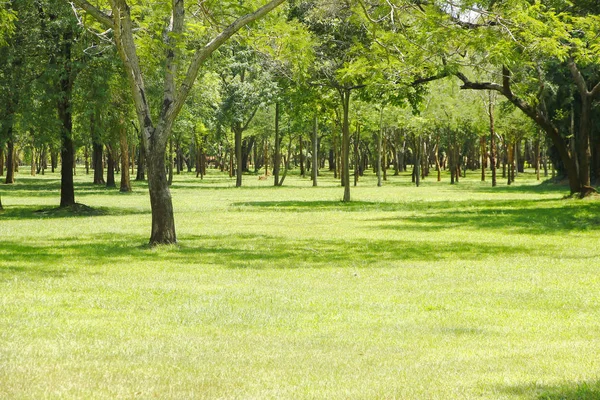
436,292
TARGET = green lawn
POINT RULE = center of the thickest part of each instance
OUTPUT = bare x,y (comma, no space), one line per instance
436,292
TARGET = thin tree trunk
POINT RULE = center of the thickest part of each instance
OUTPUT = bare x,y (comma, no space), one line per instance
277,151
315,157
346,144
125,179
301,143
238,155
110,167
537,158
10,160
1,160
33,163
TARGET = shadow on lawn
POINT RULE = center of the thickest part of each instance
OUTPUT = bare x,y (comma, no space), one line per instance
522,216
248,251
529,218
49,212
573,391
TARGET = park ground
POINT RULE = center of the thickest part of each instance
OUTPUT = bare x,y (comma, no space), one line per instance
438,292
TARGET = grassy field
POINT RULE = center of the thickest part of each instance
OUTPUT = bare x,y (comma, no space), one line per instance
436,292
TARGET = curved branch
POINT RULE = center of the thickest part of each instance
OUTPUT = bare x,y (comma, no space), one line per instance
100,16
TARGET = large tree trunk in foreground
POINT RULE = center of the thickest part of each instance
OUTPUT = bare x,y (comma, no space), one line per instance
163,222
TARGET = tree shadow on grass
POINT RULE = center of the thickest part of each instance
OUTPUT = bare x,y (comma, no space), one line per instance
572,391
247,251
37,213
526,217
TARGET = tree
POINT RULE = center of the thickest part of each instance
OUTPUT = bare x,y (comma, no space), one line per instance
156,127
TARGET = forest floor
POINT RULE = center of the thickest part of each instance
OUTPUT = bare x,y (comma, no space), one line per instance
438,292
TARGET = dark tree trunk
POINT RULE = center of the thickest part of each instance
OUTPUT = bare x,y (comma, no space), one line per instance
255,156
237,130
247,147
10,159
86,156
98,162
315,151
163,223
125,180
596,157
301,143
110,167
141,166
345,94
1,160
171,164
493,153
277,151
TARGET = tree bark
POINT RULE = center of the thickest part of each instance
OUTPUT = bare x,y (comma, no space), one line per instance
277,150
238,155
1,160
10,159
110,167
379,148
141,166
345,94
315,151
493,155
125,180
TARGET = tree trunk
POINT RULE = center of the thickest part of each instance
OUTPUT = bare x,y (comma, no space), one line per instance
356,155
10,159
171,164
110,167
346,144
1,160
315,157
583,141
86,156
178,159
536,158
125,180
277,151
301,143
379,148
141,166
163,223
64,107
384,150
98,163
237,130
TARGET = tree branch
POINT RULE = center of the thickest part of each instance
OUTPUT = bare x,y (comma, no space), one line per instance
171,36
578,78
203,54
100,16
